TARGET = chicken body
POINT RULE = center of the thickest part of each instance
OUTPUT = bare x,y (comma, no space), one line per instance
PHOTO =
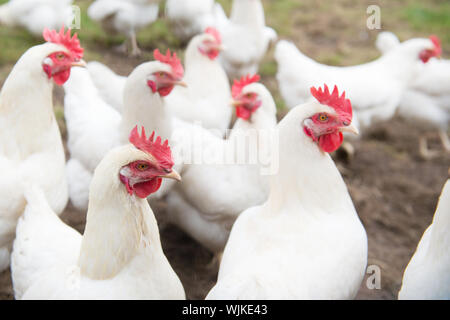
245,37
213,191
427,276
306,241
36,15
31,149
189,18
118,257
109,84
94,127
206,99
427,96
375,88
125,17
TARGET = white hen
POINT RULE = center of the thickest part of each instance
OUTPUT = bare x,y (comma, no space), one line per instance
126,17
306,241
36,15
189,18
95,127
206,99
375,88
245,37
109,84
428,96
427,274
31,150
119,255
214,192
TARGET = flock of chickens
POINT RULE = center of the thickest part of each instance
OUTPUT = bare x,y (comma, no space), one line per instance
293,234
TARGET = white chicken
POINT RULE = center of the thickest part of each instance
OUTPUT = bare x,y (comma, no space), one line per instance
375,88
36,15
31,150
119,256
125,17
206,99
427,97
109,84
189,18
427,274
214,192
306,241
94,127
245,37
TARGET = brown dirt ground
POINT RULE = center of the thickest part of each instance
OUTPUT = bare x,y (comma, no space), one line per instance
395,192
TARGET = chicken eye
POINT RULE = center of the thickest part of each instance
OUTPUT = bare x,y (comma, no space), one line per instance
162,74
142,166
60,56
323,117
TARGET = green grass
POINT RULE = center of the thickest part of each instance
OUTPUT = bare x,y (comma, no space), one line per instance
14,42
430,19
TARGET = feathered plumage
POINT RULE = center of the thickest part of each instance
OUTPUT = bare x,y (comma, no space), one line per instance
427,274
375,88
36,15
189,18
94,127
206,98
214,190
125,17
31,149
306,241
245,36
119,255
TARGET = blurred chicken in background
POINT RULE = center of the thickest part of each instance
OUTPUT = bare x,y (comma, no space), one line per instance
36,15
428,95
189,18
125,17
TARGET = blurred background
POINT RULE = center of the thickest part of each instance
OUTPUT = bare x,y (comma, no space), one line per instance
394,190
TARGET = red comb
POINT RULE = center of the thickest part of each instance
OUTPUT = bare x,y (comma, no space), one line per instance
216,34
72,44
340,104
238,86
173,61
161,151
437,44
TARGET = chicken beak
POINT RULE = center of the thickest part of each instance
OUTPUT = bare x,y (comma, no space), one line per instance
219,47
350,128
172,175
180,83
79,63
235,103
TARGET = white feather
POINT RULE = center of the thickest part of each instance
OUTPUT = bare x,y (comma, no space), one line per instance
31,149
375,88
427,274
119,255
306,241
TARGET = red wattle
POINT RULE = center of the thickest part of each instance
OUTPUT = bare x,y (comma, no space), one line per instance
61,77
331,142
144,189
243,113
212,54
164,91
152,85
